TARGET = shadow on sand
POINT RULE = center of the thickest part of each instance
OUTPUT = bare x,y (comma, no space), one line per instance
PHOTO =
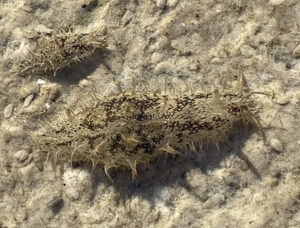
76,72
170,171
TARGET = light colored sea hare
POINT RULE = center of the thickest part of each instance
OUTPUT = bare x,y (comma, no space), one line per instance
131,128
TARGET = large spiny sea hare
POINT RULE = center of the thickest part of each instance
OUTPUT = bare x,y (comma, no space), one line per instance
59,50
131,128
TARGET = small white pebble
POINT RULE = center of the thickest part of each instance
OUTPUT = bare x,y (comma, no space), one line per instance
41,82
258,198
84,83
47,105
276,145
276,2
8,111
161,3
172,3
28,100
21,155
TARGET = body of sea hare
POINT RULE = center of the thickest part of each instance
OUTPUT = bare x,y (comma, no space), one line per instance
59,50
131,128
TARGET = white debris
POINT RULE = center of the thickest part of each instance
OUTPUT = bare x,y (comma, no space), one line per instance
77,182
41,82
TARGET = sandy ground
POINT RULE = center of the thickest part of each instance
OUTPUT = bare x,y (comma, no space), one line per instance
249,183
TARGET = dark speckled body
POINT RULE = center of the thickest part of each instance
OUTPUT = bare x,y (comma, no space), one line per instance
131,128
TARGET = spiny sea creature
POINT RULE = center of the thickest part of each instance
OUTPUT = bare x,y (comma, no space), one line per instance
132,127
59,50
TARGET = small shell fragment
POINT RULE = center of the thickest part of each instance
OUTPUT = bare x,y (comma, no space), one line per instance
276,145
8,111
28,100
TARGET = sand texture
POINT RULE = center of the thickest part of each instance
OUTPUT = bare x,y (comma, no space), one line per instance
185,44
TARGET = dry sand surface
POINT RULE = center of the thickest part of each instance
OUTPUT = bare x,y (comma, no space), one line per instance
248,183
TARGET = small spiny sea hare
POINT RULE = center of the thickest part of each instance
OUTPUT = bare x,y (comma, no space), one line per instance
59,50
